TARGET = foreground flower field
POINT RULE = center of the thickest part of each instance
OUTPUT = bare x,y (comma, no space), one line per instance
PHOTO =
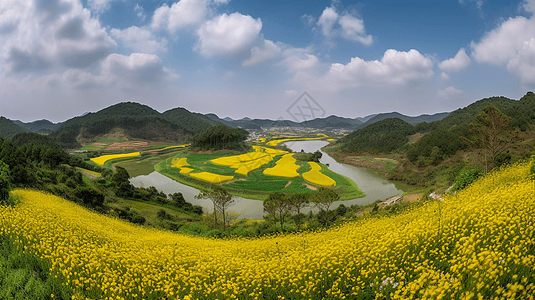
478,244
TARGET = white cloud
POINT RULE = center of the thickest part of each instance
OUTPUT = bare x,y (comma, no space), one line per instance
457,63
353,30
179,15
228,34
299,60
327,20
140,39
116,71
449,92
347,26
396,68
266,51
56,35
523,64
529,6
99,5
511,43
503,43
138,68
444,76
140,12
308,19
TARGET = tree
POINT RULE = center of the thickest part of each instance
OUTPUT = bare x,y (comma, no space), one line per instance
325,197
298,202
277,203
221,199
178,199
5,182
493,132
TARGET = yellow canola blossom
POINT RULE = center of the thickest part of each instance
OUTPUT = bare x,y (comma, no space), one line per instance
177,146
185,170
285,167
104,158
237,159
315,176
211,177
179,162
245,168
477,244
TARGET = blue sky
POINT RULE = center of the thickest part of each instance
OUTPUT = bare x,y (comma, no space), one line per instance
61,58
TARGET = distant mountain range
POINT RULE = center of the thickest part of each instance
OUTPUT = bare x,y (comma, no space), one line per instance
330,122
129,120
41,126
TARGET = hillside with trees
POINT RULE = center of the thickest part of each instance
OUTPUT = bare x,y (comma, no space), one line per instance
133,121
8,128
194,122
486,133
383,136
220,137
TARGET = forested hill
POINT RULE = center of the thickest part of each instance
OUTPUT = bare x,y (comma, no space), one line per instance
8,128
441,139
384,136
40,126
408,119
131,121
195,122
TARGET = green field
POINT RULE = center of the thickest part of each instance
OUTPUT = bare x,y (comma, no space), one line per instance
255,185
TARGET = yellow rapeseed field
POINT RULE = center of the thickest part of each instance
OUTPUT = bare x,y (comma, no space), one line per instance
477,244
284,167
101,160
245,163
179,162
315,176
211,177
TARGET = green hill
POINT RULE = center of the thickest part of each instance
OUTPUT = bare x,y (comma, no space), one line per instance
194,122
382,136
8,128
441,138
129,120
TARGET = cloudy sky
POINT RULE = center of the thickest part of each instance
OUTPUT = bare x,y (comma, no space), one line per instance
237,58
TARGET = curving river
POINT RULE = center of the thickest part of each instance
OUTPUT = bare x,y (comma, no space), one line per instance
375,187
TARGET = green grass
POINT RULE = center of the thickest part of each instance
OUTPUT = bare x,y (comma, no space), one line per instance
24,276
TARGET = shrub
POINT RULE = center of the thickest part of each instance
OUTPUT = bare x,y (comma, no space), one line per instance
466,177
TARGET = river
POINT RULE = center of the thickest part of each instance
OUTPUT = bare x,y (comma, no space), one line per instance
374,186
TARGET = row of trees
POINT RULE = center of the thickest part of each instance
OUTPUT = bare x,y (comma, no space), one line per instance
279,205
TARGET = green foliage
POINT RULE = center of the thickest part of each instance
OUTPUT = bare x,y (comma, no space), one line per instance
466,177
5,183
325,197
220,137
90,197
25,276
304,156
384,136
